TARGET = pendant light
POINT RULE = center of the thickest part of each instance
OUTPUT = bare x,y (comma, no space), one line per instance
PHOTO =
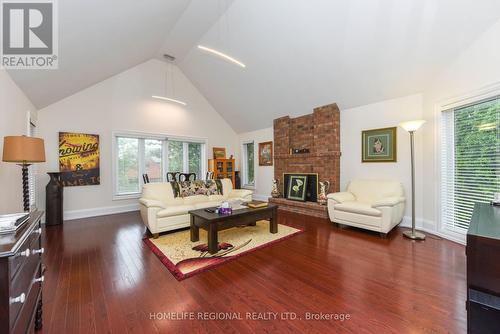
170,60
223,19
222,55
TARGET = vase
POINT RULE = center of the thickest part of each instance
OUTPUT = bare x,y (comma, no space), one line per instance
54,200
275,193
323,189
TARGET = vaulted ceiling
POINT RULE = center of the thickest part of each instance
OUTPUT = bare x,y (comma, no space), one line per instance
298,53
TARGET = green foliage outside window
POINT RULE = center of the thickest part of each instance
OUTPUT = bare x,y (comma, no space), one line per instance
477,157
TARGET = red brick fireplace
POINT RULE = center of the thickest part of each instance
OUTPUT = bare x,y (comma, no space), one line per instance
317,137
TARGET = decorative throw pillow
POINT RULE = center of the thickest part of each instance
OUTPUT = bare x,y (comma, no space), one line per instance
191,188
175,188
214,187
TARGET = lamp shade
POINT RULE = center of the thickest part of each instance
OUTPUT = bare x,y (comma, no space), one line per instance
411,126
23,149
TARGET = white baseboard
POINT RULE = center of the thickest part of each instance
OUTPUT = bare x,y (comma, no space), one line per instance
430,227
94,212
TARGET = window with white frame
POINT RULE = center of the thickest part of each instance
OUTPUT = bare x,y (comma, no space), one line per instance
470,160
32,168
136,155
248,164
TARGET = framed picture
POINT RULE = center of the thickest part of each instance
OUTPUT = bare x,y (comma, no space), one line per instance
379,145
219,152
266,153
297,187
79,159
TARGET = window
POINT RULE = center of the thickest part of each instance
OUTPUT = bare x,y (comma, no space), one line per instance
185,157
32,170
136,155
248,164
128,165
470,160
153,159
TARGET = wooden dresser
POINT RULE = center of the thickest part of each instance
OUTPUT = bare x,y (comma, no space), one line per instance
483,270
21,278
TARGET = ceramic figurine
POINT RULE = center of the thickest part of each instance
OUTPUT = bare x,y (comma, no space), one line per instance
275,193
323,189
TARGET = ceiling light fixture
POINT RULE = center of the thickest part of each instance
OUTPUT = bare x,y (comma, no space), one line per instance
170,59
168,99
222,55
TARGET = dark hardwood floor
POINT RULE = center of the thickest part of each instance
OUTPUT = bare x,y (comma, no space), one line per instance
102,278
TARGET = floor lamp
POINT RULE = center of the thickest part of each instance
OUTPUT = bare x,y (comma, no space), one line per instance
24,151
411,127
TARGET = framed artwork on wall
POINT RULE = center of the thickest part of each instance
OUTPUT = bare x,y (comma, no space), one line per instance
266,153
219,152
79,159
297,187
379,145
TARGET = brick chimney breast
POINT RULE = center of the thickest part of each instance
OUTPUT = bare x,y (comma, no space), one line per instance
318,132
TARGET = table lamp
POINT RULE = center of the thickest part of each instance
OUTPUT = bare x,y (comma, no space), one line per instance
24,151
411,127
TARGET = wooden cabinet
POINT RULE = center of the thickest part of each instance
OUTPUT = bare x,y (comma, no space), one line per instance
222,168
21,277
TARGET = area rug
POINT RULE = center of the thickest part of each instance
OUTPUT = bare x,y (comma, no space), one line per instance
185,258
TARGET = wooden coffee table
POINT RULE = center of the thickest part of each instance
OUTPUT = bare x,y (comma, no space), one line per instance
213,222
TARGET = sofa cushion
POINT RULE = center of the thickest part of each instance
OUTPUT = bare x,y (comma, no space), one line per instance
174,211
369,191
160,191
218,198
357,207
227,187
191,200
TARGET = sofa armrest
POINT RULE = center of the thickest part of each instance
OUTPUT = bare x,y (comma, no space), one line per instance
152,203
243,194
341,197
388,201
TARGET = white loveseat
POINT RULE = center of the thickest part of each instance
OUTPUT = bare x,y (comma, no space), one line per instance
161,211
374,205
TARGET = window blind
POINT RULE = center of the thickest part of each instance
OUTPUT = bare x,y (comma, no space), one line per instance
470,160
32,170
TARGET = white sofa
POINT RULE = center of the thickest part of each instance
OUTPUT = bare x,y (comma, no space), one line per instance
161,211
374,205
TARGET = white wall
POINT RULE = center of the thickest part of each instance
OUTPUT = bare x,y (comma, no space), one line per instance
123,103
14,106
352,121
475,68
382,115
263,174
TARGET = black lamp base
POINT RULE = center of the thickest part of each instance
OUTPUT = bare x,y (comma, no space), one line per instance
26,187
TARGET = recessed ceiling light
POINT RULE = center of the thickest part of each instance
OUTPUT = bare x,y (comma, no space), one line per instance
168,99
222,55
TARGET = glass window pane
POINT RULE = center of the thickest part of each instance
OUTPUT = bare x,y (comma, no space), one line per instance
175,156
194,159
153,159
128,165
250,163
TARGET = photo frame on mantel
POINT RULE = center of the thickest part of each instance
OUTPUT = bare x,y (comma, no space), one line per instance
379,145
